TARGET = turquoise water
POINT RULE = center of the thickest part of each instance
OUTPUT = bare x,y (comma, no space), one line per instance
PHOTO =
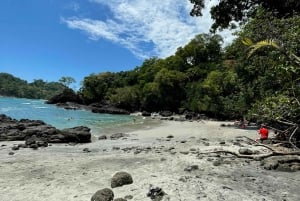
19,108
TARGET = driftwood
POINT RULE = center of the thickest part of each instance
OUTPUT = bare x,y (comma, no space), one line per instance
259,157
256,157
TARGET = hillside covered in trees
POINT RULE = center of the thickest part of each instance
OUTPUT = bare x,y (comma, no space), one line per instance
38,89
205,78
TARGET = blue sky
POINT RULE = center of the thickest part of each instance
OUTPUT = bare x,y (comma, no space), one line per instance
48,39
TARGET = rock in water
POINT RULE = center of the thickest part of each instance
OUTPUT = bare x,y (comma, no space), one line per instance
120,179
105,194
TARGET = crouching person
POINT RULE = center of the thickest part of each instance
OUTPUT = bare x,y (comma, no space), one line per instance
263,133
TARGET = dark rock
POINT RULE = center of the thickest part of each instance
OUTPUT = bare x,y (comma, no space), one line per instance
42,143
79,134
245,151
31,140
37,132
109,109
11,153
102,137
105,194
128,197
86,150
191,168
33,146
14,148
146,114
120,199
116,148
166,113
22,146
170,136
222,142
117,136
120,179
206,143
155,193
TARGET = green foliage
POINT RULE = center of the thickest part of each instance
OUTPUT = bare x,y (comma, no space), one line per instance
66,81
226,12
126,97
276,107
38,89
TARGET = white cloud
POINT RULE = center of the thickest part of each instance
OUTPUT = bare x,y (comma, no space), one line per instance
163,25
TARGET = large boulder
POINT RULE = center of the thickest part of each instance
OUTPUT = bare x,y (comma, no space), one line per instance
79,134
105,194
120,179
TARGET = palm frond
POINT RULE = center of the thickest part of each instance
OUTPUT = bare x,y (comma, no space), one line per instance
261,44
247,41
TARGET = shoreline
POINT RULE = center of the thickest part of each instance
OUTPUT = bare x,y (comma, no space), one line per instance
155,154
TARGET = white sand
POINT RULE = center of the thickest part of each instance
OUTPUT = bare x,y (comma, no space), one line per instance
66,173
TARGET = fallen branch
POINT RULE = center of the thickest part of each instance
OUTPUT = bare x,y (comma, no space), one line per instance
255,157
259,144
290,139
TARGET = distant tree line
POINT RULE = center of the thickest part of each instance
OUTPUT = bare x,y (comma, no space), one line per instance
38,89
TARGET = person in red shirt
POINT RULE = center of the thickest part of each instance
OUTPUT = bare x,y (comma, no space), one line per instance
263,133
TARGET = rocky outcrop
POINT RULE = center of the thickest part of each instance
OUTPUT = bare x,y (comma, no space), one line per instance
39,131
68,95
108,109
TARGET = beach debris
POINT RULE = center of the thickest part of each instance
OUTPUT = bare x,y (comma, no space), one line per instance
105,194
120,179
155,193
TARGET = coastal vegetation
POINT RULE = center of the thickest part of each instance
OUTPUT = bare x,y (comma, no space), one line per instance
38,89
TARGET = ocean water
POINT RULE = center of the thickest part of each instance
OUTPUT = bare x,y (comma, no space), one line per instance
19,108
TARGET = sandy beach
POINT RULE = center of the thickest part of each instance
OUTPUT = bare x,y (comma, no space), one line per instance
155,154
